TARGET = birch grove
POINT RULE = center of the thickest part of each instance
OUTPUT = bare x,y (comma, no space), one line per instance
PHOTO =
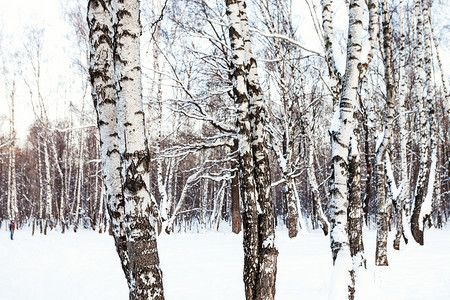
274,117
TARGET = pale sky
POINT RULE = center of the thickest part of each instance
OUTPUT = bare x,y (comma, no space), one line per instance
16,19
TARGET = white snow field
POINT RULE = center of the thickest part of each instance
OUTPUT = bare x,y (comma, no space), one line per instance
208,266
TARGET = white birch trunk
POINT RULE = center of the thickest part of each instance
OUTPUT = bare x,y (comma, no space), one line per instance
246,163
103,91
162,186
100,209
426,208
62,198
80,177
421,183
268,253
285,164
327,27
190,180
217,206
220,200
404,185
68,157
146,275
324,224
41,184
204,205
301,219
48,191
12,193
341,130
384,144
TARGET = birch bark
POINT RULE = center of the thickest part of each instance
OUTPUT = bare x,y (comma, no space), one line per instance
235,195
279,22
41,184
80,177
260,254
426,207
104,96
246,164
145,273
341,132
265,285
384,144
327,26
62,198
416,227
12,193
404,186
48,190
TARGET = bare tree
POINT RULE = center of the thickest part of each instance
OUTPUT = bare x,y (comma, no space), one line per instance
125,87
260,254
341,135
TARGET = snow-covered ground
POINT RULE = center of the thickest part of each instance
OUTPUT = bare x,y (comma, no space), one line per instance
208,266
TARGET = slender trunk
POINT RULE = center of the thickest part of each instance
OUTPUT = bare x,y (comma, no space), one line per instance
235,196
94,208
404,187
48,190
190,180
41,184
62,197
341,131
384,144
12,192
203,205
100,209
80,180
217,206
327,26
301,219
367,153
162,186
426,208
315,189
68,167
288,190
416,222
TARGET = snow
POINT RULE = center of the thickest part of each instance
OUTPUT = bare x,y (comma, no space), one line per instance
84,265
340,275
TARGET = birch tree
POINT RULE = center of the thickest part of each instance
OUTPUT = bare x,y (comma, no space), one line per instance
403,195
383,144
12,186
101,70
341,135
135,157
420,190
115,69
260,254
